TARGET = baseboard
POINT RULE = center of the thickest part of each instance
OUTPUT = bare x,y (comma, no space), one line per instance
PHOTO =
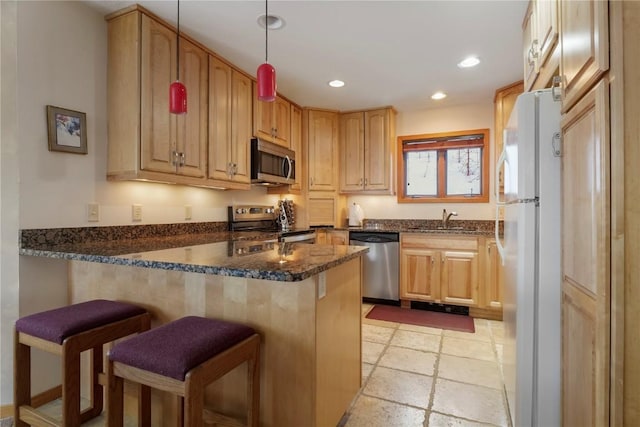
484,313
37,400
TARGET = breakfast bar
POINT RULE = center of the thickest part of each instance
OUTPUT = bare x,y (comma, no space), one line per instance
303,299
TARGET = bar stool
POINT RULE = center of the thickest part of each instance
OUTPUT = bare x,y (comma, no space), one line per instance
67,332
182,357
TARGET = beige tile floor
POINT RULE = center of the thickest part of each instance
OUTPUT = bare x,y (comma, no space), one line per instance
419,376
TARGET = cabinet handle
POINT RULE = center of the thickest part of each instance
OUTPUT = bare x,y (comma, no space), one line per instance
532,55
556,88
365,182
311,181
489,249
433,261
182,159
174,158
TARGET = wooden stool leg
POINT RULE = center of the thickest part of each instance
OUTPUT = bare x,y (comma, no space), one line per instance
144,406
115,398
193,404
21,378
70,385
253,387
97,395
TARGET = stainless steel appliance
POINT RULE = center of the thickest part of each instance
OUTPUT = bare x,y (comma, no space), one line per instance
271,163
263,218
381,264
532,259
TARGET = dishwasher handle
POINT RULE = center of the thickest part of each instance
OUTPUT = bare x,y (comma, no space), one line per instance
374,237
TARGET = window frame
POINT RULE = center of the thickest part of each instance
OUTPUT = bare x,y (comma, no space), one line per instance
441,147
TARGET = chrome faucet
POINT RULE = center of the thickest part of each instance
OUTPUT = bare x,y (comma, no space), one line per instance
446,217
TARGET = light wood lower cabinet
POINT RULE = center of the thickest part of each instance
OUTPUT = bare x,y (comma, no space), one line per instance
493,277
441,269
332,237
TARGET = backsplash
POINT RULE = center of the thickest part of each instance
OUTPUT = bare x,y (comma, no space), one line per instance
48,236
483,226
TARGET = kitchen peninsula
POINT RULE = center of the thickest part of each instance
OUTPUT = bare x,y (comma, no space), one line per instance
304,300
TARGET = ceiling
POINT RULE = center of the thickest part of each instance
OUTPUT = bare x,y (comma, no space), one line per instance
388,52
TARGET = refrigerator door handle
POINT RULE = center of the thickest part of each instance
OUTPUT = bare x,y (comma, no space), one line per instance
501,160
497,233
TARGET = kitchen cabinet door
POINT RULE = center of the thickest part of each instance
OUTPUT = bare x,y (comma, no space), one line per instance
459,278
158,71
493,278
229,125
337,237
586,260
171,143
529,48
504,100
322,159
367,146
419,274
377,150
584,47
296,145
192,127
271,119
352,151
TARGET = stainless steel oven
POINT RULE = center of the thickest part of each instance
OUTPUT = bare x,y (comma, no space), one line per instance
263,218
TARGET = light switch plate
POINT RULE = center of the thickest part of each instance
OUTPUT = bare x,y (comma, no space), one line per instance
187,212
322,285
136,212
93,212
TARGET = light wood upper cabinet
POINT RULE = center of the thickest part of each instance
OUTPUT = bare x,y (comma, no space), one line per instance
540,39
442,269
584,45
230,94
145,140
296,145
367,147
272,119
586,256
322,150
504,101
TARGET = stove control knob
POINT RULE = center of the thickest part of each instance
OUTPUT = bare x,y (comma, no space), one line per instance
241,210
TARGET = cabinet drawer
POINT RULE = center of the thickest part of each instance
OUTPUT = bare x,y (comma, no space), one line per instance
417,240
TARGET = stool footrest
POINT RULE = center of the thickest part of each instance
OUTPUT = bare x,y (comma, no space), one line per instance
33,417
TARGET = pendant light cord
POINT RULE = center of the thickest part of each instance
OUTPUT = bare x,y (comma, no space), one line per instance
178,47
266,30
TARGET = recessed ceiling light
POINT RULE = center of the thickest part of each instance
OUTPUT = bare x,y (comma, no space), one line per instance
336,83
274,22
438,95
471,61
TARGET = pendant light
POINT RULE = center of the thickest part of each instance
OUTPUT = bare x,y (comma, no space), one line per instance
266,75
177,90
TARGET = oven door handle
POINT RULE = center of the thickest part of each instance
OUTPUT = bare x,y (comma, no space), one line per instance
287,167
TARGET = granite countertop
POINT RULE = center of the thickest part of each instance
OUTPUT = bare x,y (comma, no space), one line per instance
239,254
456,227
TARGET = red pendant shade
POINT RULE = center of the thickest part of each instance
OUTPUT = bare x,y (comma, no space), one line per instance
177,98
266,82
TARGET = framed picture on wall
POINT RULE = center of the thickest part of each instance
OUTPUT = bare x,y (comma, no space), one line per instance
67,130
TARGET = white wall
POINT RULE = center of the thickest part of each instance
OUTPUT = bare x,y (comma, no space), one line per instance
467,117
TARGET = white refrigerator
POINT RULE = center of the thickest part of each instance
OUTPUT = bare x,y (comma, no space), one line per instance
530,251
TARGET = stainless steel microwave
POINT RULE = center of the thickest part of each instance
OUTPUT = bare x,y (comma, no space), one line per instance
271,163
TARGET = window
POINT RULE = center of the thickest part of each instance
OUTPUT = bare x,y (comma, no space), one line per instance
444,167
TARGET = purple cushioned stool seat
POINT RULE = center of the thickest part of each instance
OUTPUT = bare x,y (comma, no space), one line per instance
58,324
174,349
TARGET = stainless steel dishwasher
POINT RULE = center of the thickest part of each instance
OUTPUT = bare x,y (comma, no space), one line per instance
381,265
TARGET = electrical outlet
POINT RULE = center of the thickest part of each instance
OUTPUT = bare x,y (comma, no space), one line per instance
187,212
93,212
136,212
